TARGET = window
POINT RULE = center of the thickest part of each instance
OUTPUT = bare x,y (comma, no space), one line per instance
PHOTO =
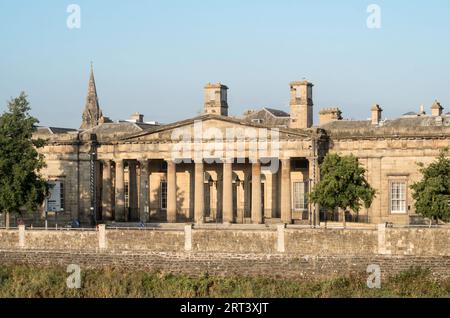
163,195
298,92
127,195
300,197
257,121
398,197
61,196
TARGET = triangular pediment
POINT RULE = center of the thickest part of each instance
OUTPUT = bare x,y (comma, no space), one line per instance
211,125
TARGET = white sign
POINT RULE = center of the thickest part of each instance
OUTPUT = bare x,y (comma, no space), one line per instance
54,199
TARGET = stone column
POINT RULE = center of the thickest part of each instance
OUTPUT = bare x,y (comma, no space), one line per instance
171,192
107,191
286,203
257,217
143,197
199,189
227,206
120,192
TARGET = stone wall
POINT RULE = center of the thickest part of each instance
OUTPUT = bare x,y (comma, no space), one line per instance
274,253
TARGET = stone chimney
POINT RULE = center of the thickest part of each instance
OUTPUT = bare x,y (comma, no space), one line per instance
436,109
216,99
328,115
137,118
301,105
376,114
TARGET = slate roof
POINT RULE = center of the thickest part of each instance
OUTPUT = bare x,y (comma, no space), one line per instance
277,112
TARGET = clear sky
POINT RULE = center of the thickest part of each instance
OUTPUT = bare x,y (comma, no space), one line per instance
155,56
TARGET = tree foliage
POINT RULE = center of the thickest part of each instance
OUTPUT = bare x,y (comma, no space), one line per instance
21,185
343,184
432,193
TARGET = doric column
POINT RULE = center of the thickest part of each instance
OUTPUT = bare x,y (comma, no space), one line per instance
171,192
143,196
286,203
227,206
120,192
107,191
199,197
257,217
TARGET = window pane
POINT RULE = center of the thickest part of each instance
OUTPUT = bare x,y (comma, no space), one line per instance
398,197
299,194
163,195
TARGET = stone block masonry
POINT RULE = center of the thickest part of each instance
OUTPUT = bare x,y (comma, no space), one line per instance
281,252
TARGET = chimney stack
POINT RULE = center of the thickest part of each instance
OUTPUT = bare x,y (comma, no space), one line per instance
301,105
216,99
327,115
376,114
436,109
137,118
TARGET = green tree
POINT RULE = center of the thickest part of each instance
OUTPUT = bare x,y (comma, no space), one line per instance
432,193
21,185
343,185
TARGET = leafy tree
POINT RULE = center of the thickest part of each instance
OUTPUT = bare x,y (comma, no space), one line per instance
432,193
21,185
343,185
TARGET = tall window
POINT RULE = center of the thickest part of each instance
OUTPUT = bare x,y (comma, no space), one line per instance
300,196
127,195
163,195
398,197
61,196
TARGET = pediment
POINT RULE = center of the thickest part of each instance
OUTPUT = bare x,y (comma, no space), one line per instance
209,127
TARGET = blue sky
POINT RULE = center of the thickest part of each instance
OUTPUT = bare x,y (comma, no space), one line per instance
155,56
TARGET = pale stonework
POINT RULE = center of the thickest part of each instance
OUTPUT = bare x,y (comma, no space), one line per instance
135,164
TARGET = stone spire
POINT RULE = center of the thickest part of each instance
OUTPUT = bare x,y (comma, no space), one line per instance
92,113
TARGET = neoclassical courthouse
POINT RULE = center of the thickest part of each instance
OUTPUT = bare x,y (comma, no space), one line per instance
124,171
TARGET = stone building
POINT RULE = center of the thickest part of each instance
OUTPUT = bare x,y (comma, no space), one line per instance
133,171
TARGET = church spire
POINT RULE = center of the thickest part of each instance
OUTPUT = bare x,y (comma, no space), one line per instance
92,112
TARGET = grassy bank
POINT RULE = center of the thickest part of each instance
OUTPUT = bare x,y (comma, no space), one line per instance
21,281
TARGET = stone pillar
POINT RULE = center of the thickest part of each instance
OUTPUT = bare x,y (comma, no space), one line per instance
22,236
227,206
286,203
102,237
171,192
143,197
120,192
188,238
199,189
107,191
257,217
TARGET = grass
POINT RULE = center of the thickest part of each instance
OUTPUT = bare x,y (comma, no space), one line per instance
23,281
